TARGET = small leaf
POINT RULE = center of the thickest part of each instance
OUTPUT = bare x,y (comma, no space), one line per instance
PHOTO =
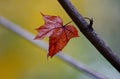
58,34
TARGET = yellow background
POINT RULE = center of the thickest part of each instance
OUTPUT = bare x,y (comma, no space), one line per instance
19,59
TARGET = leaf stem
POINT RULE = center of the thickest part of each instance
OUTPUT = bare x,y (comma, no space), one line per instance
67,23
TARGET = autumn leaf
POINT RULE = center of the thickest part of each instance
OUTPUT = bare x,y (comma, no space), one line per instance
58,34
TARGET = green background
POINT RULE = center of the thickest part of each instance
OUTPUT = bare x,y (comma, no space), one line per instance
19,59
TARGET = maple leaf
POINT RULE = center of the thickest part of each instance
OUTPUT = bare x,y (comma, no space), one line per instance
58,34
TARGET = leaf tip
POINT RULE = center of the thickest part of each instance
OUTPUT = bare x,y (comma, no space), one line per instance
36,37
37,29
78,36
42,14
49,56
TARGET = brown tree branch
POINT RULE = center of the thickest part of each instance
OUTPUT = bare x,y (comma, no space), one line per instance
90,34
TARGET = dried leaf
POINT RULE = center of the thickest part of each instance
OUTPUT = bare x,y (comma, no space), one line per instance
58,34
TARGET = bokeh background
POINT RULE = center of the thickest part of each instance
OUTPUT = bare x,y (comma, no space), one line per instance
19,59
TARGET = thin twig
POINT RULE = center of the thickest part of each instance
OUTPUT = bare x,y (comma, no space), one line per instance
25,34
90,34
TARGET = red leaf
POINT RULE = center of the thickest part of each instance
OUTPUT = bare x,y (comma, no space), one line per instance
58,34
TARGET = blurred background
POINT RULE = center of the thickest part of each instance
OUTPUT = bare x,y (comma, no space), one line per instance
19,59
